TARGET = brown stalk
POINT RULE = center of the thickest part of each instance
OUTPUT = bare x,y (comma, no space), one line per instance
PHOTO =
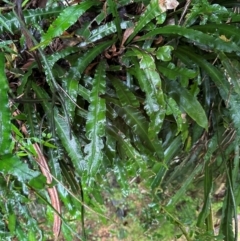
51,191
28,37
53,194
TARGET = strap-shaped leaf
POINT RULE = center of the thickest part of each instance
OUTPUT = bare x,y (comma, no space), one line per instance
230,32
188,102
173,72
115,13
3,23
84,92
232,68
136,121
96,120
124,94
152,11
197,37
53,58
5,115
150,82
125,143
179,194
226,227
134,118
172,150
66,18
72,146
218,78
32,16
106,29
212,71
88,57
205,216
182,124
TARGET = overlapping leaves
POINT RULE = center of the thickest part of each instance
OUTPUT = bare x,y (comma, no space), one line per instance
145,106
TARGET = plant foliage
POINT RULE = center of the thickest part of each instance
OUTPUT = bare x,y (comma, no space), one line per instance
124,90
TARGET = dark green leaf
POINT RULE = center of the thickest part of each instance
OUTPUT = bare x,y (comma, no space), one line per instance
5,115
188,102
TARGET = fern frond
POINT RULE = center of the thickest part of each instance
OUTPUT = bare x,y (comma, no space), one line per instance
58,26
96,120
5,114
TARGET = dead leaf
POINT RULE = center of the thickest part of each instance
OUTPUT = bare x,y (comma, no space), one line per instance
126,34
168,4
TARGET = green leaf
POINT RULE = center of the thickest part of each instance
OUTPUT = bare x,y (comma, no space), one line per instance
38,182
53,58
134,118
169,153
219,79
10,164
3,22
233,71
164,53
179,194
173,73
203,12
204,218
150,82
96,120
226,31
12,222
226,227
217,76
31,16
201,39
152,11
31,118
188,102
105,30
88,57
125,143
124,94
72,90
114,11
182,124
66,18
5,114
71,145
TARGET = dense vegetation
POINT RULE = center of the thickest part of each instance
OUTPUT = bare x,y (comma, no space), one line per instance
119,120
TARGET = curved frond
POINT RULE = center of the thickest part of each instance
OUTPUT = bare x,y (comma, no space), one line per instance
225,31
198,38
5,114
152,11
71,145
72,14
150,82
188,102
31,16
140,126
96,120
12,165
88,57
125,96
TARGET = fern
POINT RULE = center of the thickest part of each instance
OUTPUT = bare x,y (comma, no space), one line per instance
96,119
11,22
58,26
70,144
5,124
202,40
